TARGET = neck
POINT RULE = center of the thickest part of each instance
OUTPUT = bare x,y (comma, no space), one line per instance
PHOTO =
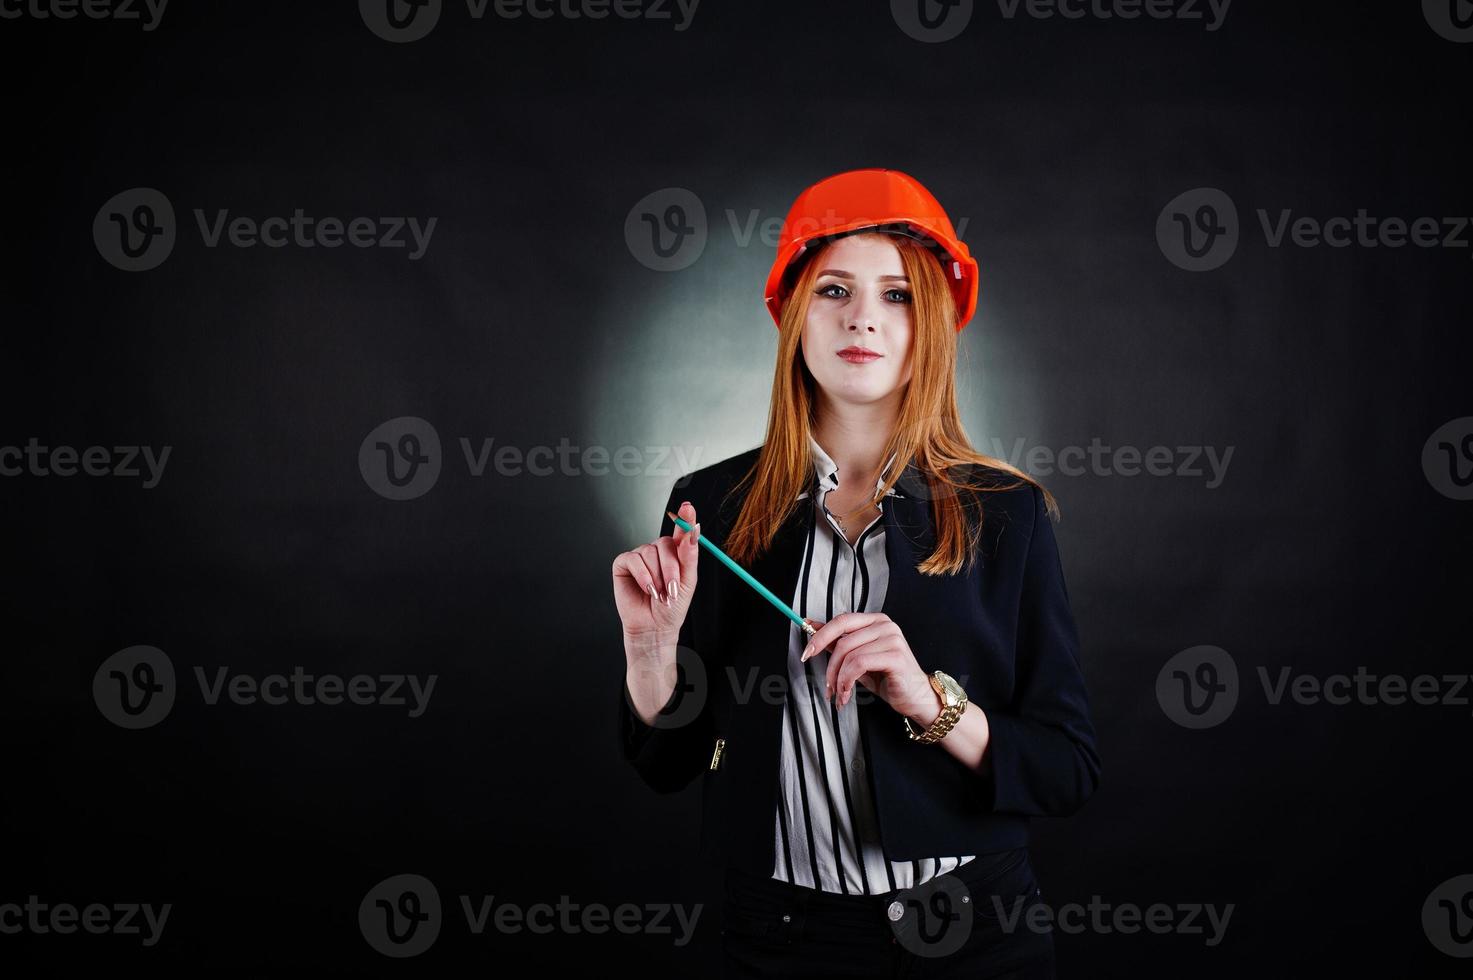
854,436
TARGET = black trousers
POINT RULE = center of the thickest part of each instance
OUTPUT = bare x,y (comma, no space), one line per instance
777,929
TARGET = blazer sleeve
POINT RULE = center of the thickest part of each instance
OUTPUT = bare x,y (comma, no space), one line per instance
668,756
1041,755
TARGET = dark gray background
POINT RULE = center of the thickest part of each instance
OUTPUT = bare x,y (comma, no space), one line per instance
529,320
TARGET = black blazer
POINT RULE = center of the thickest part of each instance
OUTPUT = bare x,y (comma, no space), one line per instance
1004,630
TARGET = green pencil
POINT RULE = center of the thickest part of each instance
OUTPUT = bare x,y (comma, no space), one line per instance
762,590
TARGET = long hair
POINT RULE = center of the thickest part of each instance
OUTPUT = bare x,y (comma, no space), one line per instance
928,431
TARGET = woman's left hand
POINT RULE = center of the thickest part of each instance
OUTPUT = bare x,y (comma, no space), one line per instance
870,649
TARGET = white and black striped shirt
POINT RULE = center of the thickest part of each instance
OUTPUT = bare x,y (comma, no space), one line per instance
826,834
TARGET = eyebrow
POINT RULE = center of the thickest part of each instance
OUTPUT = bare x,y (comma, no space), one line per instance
849,275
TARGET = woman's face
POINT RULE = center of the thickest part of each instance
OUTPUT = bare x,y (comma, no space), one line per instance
861,299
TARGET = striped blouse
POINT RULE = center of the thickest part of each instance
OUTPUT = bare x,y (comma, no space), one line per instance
826,833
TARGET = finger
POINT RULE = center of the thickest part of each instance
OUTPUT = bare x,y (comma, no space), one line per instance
686,512
672,569
869,680
838,626
650,555
859,662
847,646
631,566
828,633
688,550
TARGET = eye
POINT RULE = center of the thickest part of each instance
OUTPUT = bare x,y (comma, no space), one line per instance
904,296
824,290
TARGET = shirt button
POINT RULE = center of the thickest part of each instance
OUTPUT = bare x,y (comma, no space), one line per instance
787,918
859,765
896,911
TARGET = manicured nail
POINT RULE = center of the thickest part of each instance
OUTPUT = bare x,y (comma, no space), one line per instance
669,591
807,652
675,589
652,593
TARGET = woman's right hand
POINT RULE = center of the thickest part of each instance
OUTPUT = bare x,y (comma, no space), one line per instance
646,577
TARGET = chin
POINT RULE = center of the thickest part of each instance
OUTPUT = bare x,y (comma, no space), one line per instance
860,391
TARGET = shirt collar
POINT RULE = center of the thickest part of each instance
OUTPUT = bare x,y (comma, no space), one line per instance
827,470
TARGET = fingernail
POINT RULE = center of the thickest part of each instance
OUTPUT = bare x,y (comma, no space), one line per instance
697,532
669,591
675,590
652,593
807,651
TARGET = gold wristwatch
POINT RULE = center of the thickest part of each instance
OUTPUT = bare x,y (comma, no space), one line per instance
954,702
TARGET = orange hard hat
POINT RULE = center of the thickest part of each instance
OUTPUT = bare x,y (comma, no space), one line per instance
877,200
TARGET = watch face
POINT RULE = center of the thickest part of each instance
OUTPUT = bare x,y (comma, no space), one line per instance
949,689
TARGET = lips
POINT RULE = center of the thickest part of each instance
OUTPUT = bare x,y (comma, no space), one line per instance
859,355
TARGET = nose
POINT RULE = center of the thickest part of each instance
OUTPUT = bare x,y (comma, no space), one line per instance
863,315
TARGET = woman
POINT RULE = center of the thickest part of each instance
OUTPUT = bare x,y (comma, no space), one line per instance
869,793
